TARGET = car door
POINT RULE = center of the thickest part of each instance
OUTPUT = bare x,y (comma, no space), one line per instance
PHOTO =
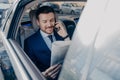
94,53
67,8
22,67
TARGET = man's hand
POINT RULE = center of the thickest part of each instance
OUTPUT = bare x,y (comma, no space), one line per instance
52,71
61,29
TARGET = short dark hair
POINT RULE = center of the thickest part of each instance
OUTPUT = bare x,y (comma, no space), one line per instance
44,9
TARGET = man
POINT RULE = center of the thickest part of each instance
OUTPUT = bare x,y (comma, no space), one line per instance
38,46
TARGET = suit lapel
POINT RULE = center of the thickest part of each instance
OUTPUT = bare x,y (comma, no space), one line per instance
41,40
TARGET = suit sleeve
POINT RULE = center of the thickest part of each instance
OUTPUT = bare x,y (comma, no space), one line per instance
29,51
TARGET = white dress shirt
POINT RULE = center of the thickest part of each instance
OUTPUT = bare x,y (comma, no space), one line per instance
46,39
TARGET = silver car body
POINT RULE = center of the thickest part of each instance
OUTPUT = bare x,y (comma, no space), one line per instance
94,53
71,8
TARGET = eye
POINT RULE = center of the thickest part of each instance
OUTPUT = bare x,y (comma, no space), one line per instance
44,21
52,20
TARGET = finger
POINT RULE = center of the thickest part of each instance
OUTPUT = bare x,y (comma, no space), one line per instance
55,70
51,68
45,74
53,76
57,24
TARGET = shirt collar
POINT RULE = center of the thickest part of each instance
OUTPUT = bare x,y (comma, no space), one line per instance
45,34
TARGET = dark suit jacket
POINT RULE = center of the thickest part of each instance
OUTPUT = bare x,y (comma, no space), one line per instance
38,51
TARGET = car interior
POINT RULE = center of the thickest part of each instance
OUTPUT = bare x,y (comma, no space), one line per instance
93,53
29,26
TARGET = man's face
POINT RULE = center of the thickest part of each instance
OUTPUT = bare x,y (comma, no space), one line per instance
46,22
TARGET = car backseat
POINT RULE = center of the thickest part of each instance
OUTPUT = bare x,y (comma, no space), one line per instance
33,19
28,29
25,32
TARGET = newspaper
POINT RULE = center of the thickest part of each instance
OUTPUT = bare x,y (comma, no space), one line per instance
58,51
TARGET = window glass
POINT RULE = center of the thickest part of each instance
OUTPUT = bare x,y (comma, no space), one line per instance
4,6
63,12
69,17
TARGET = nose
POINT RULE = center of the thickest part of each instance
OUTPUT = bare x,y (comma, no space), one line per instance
49,24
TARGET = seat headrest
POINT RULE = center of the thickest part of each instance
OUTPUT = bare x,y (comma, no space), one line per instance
32,14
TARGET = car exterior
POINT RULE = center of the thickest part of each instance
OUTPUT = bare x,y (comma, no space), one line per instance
53,5
4,5
95,50
92,55
3,1
70,8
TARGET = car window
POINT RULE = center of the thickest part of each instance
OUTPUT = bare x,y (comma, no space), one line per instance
68,19
28,27
4,6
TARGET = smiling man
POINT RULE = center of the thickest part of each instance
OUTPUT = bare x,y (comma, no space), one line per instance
38,46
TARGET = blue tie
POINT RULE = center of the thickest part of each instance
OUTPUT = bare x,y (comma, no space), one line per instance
50,37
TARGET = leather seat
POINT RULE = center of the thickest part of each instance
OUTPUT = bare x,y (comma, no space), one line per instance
26,31
33,19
